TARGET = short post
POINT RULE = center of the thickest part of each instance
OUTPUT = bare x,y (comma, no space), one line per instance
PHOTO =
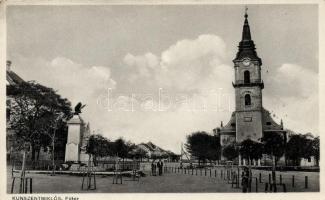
185,171
205,172
256,184
260,177
269,178
31,185
215,173
280,178
293,181
306,182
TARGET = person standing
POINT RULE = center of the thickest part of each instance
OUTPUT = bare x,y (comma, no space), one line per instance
160,166
153,168
245,180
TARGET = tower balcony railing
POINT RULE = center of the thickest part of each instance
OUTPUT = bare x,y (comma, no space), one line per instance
253,82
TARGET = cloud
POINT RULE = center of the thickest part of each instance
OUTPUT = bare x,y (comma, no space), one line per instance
292,80
291,92
74,81
185,66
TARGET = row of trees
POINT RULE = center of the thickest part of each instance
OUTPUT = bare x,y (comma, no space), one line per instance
101,147
207,147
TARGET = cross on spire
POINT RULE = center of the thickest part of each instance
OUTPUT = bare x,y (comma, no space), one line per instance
246,9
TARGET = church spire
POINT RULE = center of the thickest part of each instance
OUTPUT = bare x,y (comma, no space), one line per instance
246,31
246,48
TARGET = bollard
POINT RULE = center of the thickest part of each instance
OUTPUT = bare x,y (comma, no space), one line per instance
260,177
31,186
215,173
13,184
256,184
306,182
284,188
293,181
269,178
205,172
280,178
185,171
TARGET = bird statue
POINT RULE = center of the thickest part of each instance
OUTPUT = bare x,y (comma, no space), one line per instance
78,107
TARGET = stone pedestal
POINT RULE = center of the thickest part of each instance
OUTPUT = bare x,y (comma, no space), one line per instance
72,149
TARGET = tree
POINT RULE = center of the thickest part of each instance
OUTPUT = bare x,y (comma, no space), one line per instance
98,146
299,146
138,153
173,157
315,149
32,110
203,146
230,152
251,150
214,148
274,145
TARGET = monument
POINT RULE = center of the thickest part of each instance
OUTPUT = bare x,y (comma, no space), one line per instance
78,132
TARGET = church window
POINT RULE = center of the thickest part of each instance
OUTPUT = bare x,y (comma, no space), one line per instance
247,100
247,77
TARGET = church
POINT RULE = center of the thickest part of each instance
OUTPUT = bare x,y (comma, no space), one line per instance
250,120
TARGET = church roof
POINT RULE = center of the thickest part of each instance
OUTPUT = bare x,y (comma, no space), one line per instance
230,127
269,124
246,48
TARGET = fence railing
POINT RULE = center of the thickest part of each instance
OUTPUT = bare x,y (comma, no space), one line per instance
43,165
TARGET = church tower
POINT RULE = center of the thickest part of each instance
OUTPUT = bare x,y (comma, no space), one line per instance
248,88
250,120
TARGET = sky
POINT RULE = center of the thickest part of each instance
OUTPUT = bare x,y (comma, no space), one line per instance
159,73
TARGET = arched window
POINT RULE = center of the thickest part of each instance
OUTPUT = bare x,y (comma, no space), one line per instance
247,77
247,100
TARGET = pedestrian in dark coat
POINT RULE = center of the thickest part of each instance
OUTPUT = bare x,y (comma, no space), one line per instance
245,180
153,169
160,165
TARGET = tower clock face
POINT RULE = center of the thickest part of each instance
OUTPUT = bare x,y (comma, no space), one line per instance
246,62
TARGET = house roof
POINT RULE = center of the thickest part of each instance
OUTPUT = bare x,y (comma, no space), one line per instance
13,78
